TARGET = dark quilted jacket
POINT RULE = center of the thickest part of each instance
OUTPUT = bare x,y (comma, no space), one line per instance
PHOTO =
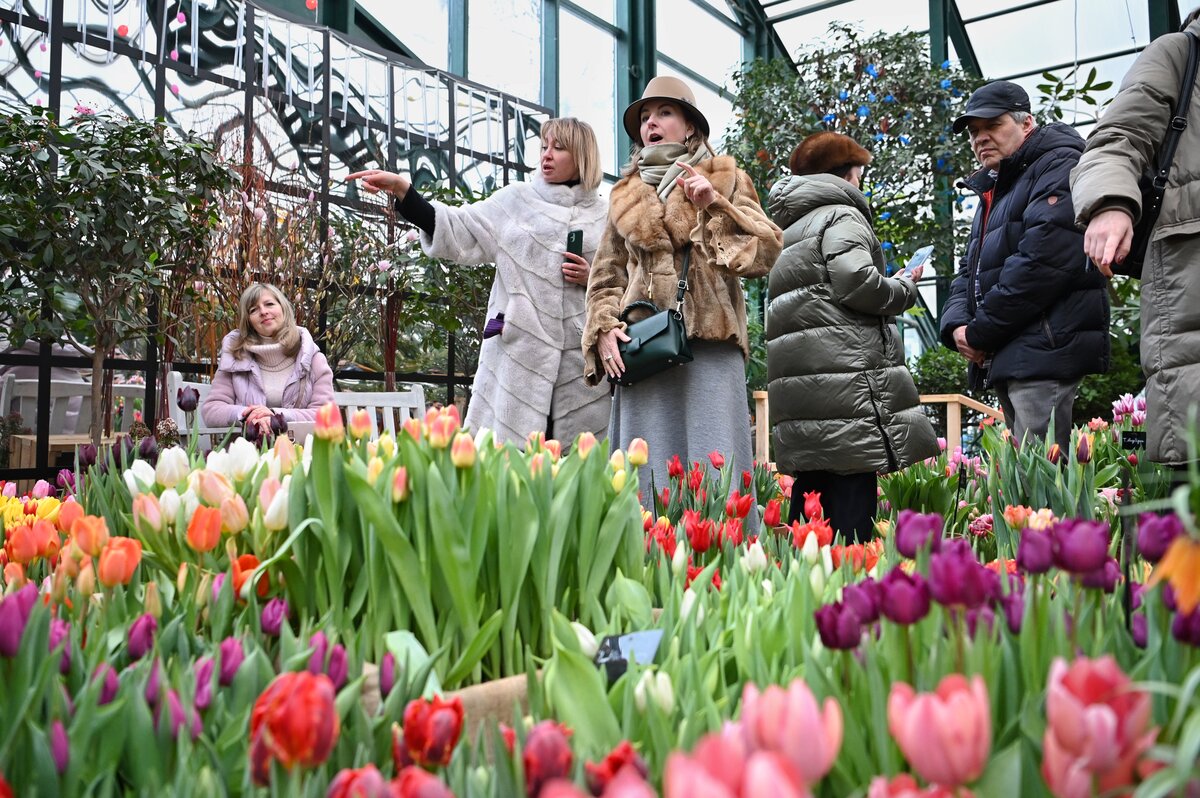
1025,290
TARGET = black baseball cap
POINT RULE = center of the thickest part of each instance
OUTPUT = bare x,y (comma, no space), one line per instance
991,100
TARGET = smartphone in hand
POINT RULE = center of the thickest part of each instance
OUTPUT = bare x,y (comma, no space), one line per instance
919,259
575,242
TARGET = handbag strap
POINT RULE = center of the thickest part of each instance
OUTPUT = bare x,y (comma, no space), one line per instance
1179,122
683,283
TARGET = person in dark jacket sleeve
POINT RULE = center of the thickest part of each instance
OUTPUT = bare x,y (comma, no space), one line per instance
1027,309
843,404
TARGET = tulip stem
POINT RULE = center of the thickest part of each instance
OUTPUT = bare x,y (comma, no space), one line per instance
910,674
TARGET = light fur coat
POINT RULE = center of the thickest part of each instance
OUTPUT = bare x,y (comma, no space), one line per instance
533,370
641,257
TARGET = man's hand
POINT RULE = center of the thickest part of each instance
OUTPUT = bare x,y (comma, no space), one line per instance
967,351
1108,239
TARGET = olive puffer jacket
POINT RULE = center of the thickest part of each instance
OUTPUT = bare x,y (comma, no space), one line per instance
1025,290
841,397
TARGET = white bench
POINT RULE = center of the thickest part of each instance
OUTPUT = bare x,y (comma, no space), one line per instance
22,395
386,409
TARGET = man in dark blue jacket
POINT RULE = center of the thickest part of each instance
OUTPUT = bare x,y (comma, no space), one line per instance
1027,309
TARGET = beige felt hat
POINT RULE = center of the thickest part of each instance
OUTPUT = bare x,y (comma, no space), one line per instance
664,88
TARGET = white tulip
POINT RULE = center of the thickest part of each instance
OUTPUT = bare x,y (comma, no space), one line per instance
243,459
276,516
690,600
306,457
811,551
654,687
173,467
169,504
642,690
754,559
587,640
816,580
218,460
768,588
139,477
190,502
827,559
679,561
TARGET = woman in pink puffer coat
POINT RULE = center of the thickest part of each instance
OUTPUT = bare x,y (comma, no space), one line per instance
268,365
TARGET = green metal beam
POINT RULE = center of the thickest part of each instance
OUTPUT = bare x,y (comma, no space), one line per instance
943,209
337,14
550,55
636,56
459,14
939,30
962,41
1164,17
762,40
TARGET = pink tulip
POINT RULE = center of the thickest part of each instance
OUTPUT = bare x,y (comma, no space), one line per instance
946,735
770,775
790,723
1097,727
683,777
724,756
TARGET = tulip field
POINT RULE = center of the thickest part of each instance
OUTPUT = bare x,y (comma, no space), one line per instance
318,619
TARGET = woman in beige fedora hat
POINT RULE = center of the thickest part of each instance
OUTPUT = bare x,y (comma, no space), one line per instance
676,194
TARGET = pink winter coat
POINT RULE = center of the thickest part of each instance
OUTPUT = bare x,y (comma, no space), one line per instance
238,384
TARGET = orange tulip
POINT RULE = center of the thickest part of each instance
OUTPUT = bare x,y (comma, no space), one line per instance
243,567
118,561
67,513
328,424
14,575
294,722
204,530
1180,566
45,536
90,533
21,545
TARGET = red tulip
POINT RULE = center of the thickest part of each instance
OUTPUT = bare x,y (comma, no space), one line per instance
675,468
601,774
700,532
416,783
243,568
946,735
771,515
432,729
717,459
295,722
546,756
1097,727
905,786
738,506
812,505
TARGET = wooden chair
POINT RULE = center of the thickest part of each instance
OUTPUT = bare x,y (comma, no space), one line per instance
387,410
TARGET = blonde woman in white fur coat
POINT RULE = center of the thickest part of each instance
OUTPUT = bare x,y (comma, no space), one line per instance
530,375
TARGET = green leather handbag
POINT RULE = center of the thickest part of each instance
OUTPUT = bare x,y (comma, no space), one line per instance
657,342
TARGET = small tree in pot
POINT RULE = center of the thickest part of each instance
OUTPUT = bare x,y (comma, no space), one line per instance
99,217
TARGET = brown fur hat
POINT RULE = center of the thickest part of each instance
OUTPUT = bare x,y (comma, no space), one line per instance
826,152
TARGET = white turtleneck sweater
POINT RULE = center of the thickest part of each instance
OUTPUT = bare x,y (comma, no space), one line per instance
276,369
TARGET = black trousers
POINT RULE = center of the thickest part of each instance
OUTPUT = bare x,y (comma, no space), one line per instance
849,501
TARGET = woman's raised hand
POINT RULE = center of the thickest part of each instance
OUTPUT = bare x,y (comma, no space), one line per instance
374,180
696,186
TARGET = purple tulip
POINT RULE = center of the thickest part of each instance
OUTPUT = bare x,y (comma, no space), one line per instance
177,716
863,598
1139,630
1103,578
218,582
65,480
1080,547
153,686
1035,552
1186,628
320,646
108,690
1156,533
60,632
839,626
1013,604
60,747
981,615
232,654
273,615
903,597
87,456
387,674
1168,598
204,689
915,530
338,667
14,615
187,398
956,579
141,636
148,449
279,424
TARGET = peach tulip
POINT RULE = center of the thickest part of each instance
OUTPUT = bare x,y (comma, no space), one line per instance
118,561
90,533
212,486
584,444
946,735
147,516
462,451
234,515
360,424
400,484
790,722
328,424
413,427
639,452
1097,727
441,430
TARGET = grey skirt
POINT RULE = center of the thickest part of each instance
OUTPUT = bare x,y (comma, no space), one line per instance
689,410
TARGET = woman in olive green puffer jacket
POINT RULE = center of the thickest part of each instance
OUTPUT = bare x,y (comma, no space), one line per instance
843,403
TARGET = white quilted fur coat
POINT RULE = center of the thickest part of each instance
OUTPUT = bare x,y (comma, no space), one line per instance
533,371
